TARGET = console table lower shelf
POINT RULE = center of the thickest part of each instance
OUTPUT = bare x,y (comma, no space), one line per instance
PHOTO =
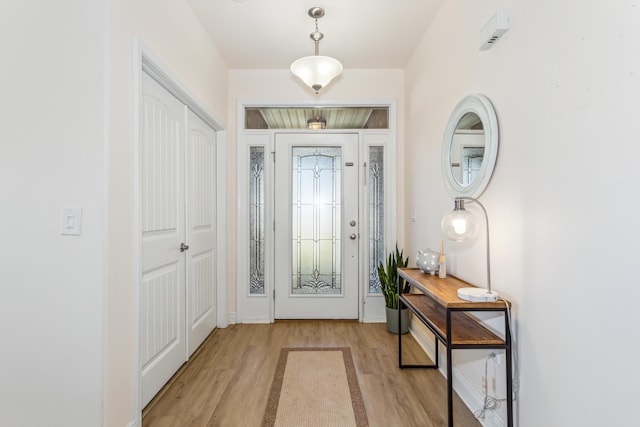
435,303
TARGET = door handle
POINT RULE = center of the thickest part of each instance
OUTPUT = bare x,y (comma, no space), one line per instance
183,247
353,236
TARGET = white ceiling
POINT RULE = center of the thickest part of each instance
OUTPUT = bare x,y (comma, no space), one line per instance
261,34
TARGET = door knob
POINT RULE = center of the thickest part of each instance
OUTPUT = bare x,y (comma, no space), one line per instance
183,247
353,236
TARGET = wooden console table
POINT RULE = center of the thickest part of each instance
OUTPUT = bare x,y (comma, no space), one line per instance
437,306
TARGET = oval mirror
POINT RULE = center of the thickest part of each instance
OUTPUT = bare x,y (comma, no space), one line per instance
470,147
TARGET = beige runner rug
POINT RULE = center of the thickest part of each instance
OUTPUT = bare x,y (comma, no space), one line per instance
315,387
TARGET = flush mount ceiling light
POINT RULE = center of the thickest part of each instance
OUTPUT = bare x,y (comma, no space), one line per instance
317,122
316,71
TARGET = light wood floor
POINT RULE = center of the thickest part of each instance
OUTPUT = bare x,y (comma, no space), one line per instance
227,383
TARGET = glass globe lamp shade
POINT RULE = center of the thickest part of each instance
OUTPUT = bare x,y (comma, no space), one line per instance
459,225
316,71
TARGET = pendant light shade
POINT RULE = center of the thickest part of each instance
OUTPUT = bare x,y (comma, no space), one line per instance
316,71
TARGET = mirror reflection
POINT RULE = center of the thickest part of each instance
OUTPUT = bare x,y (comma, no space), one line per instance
470,147
467,149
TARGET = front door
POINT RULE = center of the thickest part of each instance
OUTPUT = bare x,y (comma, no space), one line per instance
316,226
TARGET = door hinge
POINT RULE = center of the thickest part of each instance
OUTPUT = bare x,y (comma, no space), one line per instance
273,156
274,294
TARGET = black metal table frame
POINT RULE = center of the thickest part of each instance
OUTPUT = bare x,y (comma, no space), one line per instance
450,347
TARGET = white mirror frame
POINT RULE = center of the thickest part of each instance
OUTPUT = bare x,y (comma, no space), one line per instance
480,105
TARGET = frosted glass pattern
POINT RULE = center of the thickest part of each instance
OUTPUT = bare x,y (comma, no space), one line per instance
376,215
256,221
316,226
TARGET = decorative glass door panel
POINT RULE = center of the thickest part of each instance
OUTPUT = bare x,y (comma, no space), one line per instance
256,221
376,215
316,214
315,220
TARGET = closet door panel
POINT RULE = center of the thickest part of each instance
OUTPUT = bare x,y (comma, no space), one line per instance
201,231
162,283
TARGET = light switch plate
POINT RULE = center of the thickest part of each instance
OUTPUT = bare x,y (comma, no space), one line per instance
71,221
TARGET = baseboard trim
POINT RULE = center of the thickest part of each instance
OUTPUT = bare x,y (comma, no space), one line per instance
461,385
256,320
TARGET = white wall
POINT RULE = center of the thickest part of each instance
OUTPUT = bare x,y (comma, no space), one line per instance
564,81
170,30
52,82
280,86
68,303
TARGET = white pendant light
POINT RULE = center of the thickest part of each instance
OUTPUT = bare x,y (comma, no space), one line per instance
316,71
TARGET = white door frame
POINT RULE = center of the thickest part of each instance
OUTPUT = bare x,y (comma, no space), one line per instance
260,308
144,60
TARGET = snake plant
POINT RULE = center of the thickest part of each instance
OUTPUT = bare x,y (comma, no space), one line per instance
388,275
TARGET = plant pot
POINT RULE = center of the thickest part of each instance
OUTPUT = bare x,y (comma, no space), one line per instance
392,320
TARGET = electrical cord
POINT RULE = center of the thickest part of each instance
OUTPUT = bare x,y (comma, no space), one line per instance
492,402
514,353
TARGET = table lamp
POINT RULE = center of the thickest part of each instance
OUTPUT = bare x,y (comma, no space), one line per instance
460,225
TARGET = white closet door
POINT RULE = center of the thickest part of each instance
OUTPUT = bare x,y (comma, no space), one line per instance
162,286
201,231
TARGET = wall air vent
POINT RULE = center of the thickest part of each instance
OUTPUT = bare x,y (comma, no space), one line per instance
494,29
